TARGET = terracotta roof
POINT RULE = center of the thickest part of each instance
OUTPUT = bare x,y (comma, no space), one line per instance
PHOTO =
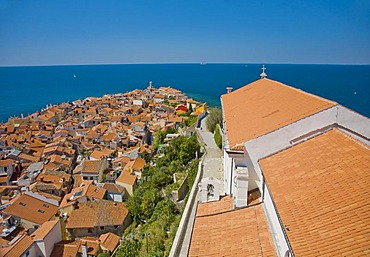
225,204
84,190
242,232
29,157
109,241
127,178
97,213
19,248
321,190
95,191
92,245
113,188
122,159
56,180
91,166
3,179
97,154
44,229
5,163
32,209
138,164
65,249
264,106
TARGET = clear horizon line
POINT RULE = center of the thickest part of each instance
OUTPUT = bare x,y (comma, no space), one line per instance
174,63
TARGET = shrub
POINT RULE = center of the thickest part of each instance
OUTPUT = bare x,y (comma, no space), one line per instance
214,117
218,137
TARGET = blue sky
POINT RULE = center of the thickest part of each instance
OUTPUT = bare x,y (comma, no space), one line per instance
271,31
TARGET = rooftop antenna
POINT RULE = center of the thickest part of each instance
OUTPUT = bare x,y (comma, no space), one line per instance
263,74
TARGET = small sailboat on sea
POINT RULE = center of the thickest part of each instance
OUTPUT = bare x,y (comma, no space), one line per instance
74,75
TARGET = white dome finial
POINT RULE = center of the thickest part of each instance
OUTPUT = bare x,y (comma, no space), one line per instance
263,74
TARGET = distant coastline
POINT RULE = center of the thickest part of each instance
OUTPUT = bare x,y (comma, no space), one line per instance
26,89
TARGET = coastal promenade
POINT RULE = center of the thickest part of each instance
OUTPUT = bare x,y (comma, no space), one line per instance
212,167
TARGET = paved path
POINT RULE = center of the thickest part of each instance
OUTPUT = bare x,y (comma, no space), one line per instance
213,163
212,167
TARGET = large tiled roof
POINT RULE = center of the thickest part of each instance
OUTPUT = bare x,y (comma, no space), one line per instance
264,106
97,213
242,232
321,191
32,209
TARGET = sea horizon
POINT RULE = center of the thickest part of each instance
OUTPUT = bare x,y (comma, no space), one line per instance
180,63
27,89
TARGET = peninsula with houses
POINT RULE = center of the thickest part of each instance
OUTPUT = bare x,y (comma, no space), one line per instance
282,173
68,171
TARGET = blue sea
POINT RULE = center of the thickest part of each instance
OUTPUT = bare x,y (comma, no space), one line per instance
25,90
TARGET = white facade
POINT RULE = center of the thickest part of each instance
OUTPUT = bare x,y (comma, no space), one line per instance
6,170
138,102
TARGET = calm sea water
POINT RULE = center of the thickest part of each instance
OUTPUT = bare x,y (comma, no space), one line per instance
28,89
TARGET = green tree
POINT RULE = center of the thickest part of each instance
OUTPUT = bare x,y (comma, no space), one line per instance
214,117
190,120
166,211
217,136
149,200
146,156
129,248
160,135
188,149
192,172
134,206
190,110
104,254
161,179
171,130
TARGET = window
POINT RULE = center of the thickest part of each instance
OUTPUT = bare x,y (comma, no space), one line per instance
102,228
116,226
41,211
89,230
45,205
22,203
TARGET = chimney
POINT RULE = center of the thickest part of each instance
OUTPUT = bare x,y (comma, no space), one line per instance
229,89
84,249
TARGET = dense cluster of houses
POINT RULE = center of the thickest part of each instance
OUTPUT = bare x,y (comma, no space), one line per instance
66,171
